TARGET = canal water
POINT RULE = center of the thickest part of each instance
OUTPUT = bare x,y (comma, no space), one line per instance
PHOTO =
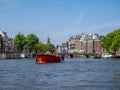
72,74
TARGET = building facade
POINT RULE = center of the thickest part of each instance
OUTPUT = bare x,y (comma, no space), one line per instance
85,44
7,47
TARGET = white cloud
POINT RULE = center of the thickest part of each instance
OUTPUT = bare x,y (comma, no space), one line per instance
101,29
106,25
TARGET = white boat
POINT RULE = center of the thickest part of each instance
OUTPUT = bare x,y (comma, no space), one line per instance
106,55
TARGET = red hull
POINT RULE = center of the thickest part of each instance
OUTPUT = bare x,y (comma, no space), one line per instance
48,59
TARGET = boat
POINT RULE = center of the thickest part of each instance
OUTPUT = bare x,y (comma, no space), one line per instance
116,56
106,55
97,56
43,58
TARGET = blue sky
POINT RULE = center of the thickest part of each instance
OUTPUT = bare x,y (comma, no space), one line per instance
59,19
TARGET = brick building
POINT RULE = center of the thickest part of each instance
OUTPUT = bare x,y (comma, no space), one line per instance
7,48
85,43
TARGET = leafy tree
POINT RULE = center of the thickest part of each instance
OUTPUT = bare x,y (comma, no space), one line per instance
39,47
51,48
32,43
112,41
42,48
20,42
32,40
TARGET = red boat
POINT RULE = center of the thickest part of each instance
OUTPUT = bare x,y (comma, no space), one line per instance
49,58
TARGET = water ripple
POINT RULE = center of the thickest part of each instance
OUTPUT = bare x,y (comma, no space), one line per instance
72,74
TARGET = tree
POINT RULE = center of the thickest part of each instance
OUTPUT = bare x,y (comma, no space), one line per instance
39,47
51,48
112,41
32,43
20,42
42,48
32,40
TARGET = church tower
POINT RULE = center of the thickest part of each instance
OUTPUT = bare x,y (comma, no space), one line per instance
48,40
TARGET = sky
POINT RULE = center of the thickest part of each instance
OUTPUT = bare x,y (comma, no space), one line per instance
59,19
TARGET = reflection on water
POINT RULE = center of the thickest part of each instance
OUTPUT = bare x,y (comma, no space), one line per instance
72,74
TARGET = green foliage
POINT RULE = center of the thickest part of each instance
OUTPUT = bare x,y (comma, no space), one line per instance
42,48
19,41
51,48
112,41
37,47
32,40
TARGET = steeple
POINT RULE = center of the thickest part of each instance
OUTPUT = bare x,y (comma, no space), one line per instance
48,40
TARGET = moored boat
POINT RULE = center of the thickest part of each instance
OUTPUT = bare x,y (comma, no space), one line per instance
116,56
106,55
42,58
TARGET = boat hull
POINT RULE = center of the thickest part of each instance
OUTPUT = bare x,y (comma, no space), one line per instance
106,55
48,59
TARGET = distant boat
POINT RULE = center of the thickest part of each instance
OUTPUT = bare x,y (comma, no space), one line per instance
42,58
106,55
97,56
116,56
